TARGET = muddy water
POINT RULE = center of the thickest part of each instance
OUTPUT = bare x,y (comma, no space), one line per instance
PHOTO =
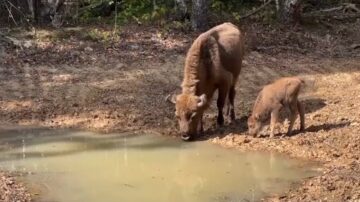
68,166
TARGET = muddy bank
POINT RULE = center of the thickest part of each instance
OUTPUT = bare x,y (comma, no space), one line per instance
331,138
12,190
71,81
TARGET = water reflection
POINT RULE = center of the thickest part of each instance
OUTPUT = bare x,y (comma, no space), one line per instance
83,166
69,142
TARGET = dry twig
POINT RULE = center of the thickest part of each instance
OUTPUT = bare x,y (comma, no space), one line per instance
256,10
344,7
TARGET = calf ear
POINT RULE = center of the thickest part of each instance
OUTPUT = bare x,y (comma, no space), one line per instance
171,98
202,100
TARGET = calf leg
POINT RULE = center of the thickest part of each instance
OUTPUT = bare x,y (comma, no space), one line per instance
293,114
301,110
274,120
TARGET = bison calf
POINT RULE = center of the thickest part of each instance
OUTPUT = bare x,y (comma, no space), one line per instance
273,97
212,63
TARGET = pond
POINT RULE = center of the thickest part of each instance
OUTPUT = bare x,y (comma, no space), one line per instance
77,166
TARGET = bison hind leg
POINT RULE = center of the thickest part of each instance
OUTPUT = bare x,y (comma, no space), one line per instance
231,107
223,91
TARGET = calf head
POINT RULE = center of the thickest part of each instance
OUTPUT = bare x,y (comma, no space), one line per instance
189,111
254,124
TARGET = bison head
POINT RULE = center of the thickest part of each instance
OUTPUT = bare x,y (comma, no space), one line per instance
254,124
189,111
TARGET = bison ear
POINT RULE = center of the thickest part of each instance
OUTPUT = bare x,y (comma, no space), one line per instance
202,100
256,116
171,98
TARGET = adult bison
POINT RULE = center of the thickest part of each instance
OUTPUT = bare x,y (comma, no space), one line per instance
212,62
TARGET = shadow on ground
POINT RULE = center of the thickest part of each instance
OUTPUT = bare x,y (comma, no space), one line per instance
326,127
313,105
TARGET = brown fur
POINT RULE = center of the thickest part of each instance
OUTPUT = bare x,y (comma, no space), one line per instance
213,62
273,97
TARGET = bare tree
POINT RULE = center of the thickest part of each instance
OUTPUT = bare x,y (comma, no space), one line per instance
199,14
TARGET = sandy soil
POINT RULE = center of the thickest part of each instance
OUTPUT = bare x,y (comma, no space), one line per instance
71,81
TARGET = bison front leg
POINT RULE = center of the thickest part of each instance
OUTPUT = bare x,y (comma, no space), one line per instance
200,126
273,121
220,106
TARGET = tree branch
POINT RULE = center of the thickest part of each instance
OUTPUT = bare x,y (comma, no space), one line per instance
10,13
18,10
327,16
351,7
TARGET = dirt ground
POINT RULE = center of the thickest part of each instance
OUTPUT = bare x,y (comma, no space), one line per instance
11,190
66,79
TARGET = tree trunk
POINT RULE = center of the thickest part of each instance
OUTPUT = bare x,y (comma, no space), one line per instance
181,8
48,11
36,7
31,9
55,5
199,14
289,11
